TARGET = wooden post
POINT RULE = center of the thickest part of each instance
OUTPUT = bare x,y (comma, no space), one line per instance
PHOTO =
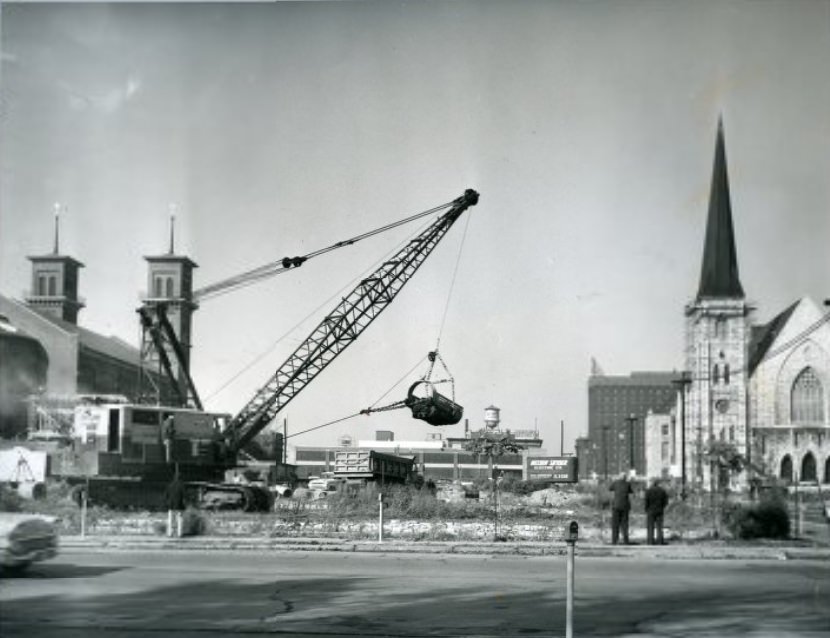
380,518
83,510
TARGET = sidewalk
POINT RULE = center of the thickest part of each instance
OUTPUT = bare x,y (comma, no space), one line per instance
712,550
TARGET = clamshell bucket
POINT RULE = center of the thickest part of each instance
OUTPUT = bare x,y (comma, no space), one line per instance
435,409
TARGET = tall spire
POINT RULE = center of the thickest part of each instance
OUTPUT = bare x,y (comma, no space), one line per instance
172,209
719,272
56,247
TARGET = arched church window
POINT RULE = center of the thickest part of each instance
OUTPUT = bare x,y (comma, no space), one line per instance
808,468
169,287
786,468
807,398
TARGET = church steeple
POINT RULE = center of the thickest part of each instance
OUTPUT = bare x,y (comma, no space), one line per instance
717,333
719,273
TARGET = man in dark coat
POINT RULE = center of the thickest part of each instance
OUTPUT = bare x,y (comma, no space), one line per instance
175,504
620,507
656,500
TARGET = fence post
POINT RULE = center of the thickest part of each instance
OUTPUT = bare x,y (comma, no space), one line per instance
83,513
380,518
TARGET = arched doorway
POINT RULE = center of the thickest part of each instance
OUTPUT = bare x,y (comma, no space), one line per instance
787,468
808,468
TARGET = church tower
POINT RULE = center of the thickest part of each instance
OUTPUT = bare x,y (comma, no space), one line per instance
717,330
170,285
55,282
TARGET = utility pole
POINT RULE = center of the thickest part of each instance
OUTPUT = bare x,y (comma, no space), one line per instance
682,383
631,420
605,450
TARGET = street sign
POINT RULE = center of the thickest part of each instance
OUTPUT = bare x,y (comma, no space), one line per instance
556,469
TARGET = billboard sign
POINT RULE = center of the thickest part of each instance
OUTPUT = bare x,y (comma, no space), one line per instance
556,469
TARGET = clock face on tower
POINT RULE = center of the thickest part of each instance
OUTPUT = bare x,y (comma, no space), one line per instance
722,405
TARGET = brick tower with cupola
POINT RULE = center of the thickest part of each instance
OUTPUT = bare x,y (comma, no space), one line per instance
170,284
55,283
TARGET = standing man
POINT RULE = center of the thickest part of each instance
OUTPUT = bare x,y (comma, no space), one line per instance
175,505
656,500
620,507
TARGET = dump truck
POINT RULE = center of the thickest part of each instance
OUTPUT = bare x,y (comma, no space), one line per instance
369,465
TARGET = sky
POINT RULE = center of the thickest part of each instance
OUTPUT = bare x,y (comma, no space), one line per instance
588,129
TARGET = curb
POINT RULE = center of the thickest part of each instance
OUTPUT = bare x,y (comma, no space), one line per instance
589,550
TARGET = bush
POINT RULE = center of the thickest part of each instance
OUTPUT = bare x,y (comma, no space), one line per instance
194,523
518,486
767,519
10,500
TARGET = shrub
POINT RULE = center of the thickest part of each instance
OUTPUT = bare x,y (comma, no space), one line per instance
767,519
10,500
518,486
194,523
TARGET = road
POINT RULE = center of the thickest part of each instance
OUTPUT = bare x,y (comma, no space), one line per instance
210,593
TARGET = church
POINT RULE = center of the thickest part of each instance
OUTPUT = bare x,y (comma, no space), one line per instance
764,388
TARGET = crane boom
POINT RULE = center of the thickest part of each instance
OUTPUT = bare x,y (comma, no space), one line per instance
340,328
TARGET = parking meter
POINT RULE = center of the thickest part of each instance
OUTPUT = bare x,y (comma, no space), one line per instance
573,532
570,538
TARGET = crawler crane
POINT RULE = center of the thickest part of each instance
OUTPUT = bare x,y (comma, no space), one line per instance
127,452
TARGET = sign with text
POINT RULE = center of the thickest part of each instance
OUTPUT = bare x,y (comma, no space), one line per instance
556,469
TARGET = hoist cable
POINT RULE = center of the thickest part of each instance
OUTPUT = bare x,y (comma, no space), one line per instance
286,263
318,427
452,284
398,382
314,312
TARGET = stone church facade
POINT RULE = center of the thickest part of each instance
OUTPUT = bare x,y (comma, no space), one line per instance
763,388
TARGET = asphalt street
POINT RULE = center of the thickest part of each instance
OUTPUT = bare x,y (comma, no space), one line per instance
224,593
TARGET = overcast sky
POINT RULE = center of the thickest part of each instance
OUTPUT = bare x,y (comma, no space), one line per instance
276,129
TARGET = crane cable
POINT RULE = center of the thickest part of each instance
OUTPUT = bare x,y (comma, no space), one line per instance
308,316
452,283
362,412
433,356
286,263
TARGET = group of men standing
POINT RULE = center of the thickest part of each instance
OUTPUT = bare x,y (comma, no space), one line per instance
656,499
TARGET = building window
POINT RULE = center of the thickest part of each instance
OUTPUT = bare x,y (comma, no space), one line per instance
664,451
52,286
665,429
41,286
787,468
827,470
157,287
716,374
726,374
169,287
807,398
808,468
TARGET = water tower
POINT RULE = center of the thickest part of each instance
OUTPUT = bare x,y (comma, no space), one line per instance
491,417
